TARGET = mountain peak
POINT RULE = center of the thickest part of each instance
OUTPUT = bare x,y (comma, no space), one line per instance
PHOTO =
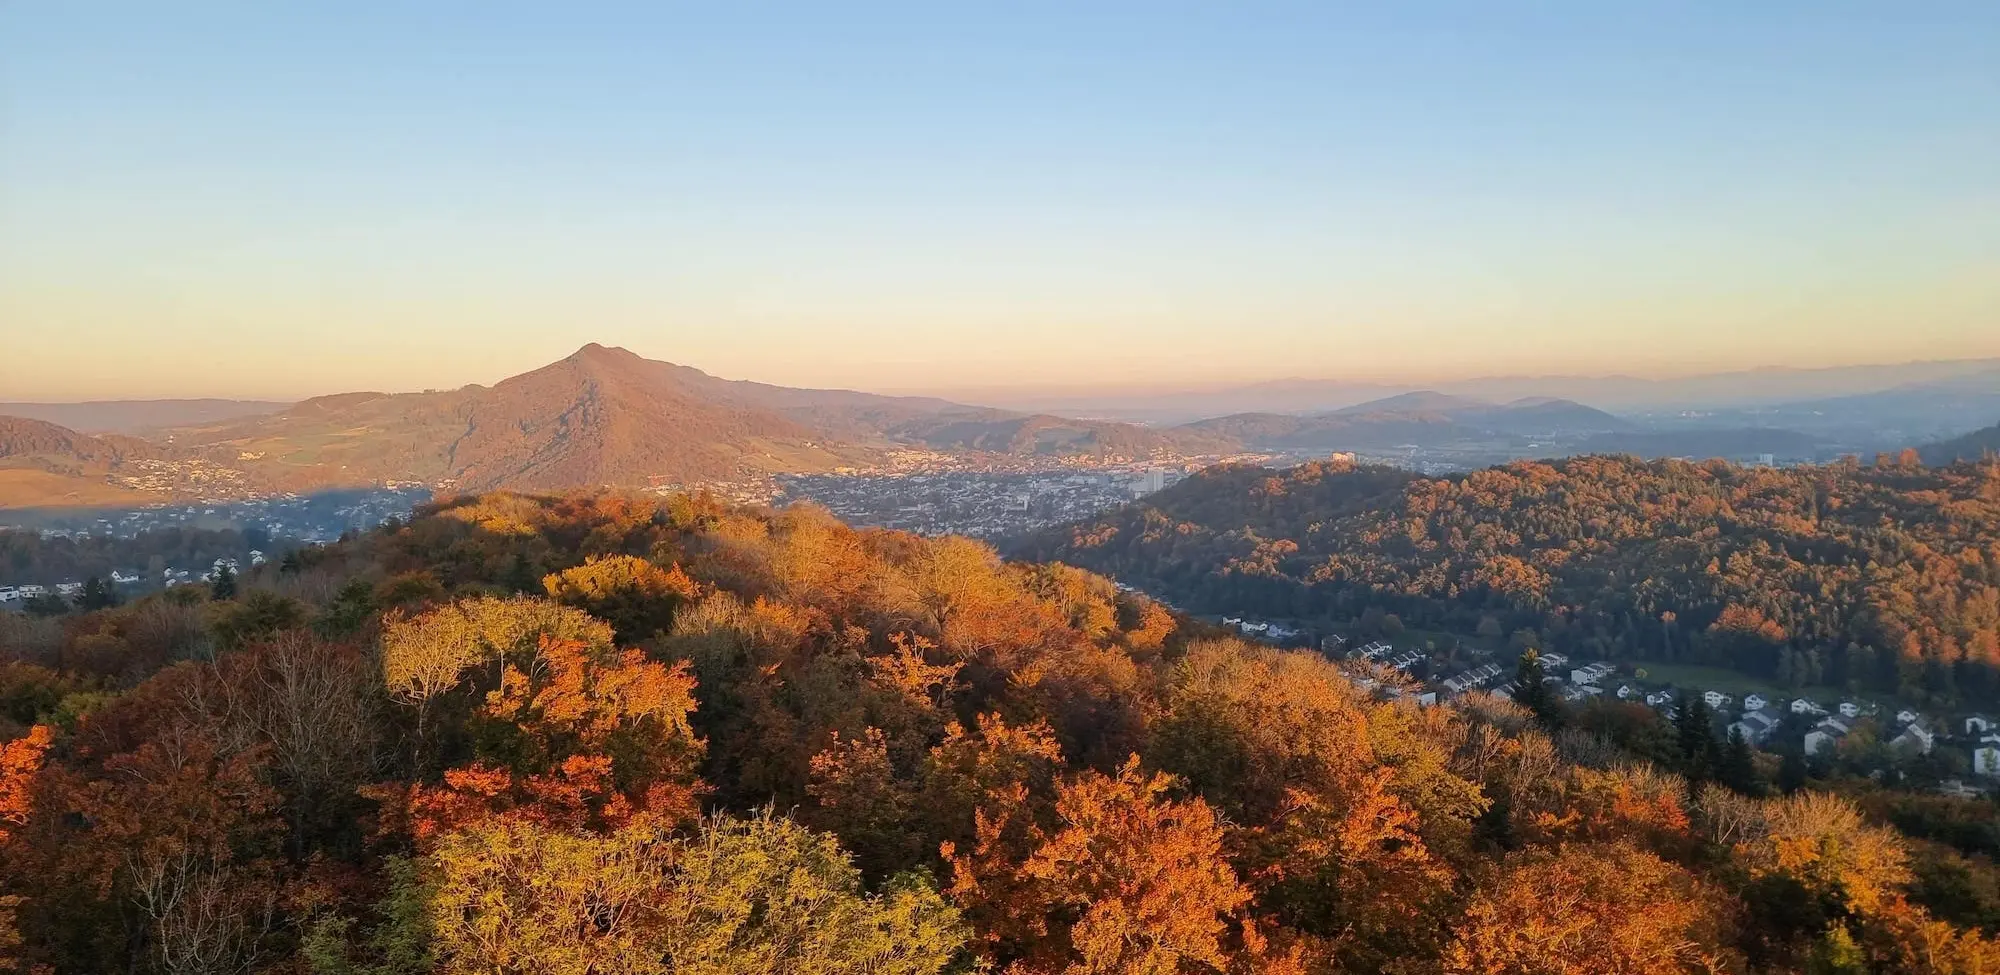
593,352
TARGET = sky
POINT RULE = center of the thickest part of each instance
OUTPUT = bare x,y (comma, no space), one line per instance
280,200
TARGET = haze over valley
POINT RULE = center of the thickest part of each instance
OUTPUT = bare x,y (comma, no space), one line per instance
606,417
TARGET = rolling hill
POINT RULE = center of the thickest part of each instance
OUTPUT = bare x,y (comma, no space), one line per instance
1752,568
1973,446
46,465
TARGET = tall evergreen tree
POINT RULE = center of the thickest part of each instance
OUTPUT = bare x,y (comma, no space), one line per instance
223,586
1792,771
1694,724
97,594
1531,690
1739,767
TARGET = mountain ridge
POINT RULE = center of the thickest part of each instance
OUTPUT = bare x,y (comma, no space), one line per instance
602,416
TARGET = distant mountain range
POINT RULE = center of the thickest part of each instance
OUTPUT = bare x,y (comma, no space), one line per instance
1423,417
1735,390
138,415
601,417
607,417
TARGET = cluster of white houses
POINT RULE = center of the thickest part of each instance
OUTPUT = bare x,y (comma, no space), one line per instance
124,577
1760,717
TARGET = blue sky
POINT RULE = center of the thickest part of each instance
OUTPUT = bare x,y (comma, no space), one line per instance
260,199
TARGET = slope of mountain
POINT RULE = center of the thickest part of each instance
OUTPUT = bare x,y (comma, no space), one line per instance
1528,415
944,425
46,465
136,416
1977,445
1541,415
22,437
1042,435
1420,401
600,417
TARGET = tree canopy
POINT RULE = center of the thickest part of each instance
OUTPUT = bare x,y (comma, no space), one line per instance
792,746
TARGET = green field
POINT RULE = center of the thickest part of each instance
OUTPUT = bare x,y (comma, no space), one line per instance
1737,684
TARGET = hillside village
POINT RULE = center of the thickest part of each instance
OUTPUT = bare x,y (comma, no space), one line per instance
1962,751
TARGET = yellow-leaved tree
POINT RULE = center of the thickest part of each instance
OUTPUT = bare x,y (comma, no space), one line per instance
741,896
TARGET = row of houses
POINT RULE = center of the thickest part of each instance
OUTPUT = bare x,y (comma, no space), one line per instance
1375,650
1758,721
1914,736
129,577
10,594
1475,678
1761,717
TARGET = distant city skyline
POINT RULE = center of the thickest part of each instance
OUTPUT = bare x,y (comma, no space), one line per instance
276,202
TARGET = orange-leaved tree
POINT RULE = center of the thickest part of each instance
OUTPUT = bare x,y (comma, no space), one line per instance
1125,880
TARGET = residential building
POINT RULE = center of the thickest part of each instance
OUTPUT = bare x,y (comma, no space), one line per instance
1916,738
1476,677
1716,700
1756,727
1753,702
1978,724
1825,735
1373,651
1986,758
1590,675
1406,659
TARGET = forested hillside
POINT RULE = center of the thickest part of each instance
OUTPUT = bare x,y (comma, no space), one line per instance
1884,576
574,736
1977,445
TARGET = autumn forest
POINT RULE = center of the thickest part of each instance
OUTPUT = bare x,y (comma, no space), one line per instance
592,734
1883,577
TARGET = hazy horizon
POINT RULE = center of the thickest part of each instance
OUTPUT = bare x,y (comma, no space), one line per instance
268,203
1031,393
